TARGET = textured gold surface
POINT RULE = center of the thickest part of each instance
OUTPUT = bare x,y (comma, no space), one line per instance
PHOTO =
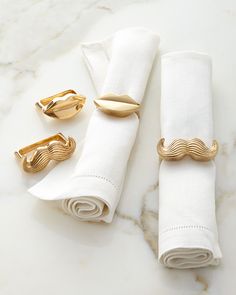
63,105
194,148
36,156
117,105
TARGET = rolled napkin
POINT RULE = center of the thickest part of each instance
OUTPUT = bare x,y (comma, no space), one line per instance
119,65
187,223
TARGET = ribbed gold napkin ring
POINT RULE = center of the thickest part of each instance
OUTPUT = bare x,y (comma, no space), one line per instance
36,156
194,148
63,105
117,105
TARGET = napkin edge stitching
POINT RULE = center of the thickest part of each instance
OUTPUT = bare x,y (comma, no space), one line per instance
99,177
183,227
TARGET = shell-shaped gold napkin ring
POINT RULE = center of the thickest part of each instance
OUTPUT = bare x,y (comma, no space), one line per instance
117,105
63,105
36,156
194,148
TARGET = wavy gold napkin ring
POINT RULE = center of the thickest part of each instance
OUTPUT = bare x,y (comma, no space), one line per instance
194,148
35,157
63,105
117,105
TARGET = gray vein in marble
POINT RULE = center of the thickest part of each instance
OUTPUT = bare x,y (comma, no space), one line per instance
148,221
202,280
106,8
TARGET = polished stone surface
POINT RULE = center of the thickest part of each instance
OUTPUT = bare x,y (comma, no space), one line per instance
42,250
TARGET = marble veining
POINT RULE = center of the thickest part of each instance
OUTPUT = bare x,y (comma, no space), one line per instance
44,251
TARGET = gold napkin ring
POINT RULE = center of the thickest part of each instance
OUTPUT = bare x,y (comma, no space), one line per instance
194,148
63,105
117,105
36,156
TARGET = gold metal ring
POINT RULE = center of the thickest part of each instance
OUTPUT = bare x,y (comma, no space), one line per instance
194,148
36,156
117,105
63,105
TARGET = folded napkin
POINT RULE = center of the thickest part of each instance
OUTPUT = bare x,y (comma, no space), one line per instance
187,224
121,65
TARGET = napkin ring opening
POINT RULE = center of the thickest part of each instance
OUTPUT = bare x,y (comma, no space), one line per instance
63,105
117,105
35,157
194,148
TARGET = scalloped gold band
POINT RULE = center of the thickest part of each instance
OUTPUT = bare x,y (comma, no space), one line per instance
36,156
194,148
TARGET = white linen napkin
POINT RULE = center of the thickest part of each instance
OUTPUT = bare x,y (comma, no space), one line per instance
121,65
187,225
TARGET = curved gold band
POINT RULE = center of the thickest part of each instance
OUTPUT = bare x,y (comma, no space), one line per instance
63,105
36,156
117,105
194,148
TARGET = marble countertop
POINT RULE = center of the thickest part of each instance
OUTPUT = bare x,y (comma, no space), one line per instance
42,250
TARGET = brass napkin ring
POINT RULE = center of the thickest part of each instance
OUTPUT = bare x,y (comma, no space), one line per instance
194,148
117,105
63,105
36,156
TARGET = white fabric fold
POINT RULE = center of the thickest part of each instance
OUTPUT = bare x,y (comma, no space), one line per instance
121,65
187,224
